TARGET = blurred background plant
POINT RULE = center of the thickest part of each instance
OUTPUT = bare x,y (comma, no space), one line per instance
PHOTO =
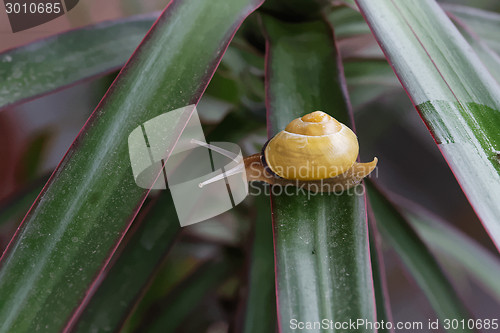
218,276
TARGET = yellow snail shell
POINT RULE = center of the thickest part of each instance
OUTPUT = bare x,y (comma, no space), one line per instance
313,147
315,152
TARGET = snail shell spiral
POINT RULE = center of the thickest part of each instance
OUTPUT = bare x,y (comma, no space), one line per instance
315,146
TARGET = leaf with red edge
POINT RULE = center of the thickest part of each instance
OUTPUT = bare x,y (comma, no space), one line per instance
260,302
484,24
75,225
457,97
321,241
58,61
398,233
142,253
452,246
475,26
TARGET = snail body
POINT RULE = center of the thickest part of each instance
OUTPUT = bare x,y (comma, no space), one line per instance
313,147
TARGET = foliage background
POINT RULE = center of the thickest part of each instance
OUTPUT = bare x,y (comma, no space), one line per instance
35,135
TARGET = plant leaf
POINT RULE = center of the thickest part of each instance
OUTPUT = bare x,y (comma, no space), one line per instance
484,24
482,47
348,3
384,312
260,307
451,244
321,242
369,79
169,313
55,62
77,222
16,206
454,93
142,253
295,10
348,23
141,256
182,261
396,231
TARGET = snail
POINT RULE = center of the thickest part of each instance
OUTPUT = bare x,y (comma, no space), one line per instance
315,151
313,147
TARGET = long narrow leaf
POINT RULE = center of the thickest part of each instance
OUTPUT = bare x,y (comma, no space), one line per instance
295,9
454,93
348,23
488,56
169,313
484,24
384,312
16,207
260,307
55,62
182,261
123,283
321,242
75,225
368,80
453,245
417,258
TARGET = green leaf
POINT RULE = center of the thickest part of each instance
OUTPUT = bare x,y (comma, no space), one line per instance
33,156
321,241
347,3
451,244
484,24
16,207
295,10
75,225
491,5
368,80
479,42
456,96
136,263
260,307
181,262
170,312
383,305
58,61
396,231
348,23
